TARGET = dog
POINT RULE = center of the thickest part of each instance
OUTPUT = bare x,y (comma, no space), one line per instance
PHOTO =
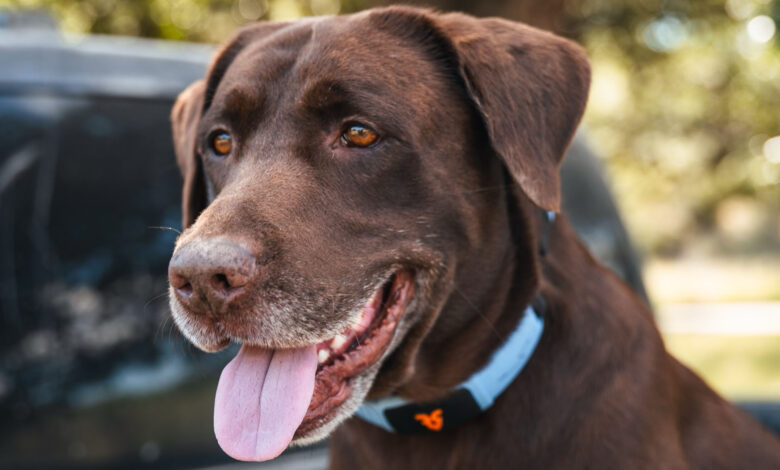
370,204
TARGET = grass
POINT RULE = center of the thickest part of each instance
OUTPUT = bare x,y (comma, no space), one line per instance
739,367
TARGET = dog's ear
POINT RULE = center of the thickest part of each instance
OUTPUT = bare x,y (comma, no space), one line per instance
190,106
529,86
185,117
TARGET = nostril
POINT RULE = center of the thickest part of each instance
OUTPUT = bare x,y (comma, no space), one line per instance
180,281
184,290
227,284
177,280
220,281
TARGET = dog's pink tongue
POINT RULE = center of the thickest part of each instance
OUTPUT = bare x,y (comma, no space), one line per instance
261,399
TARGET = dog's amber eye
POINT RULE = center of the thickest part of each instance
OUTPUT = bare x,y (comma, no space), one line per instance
359,136
221,143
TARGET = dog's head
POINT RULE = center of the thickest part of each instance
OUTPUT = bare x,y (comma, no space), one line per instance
349,201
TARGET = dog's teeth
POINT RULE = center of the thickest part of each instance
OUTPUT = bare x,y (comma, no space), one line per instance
322,356
338,341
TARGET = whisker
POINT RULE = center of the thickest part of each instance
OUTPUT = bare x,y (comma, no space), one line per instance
479,312
146,305
161,333
182,347
163,227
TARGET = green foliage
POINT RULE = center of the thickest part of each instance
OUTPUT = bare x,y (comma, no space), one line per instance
190,20
685,95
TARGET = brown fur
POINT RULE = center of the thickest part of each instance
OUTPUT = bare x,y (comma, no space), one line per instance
474,117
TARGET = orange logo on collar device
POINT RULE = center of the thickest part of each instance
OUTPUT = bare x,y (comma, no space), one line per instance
433,421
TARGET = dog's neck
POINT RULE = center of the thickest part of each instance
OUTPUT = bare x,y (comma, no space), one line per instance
572,282
485,303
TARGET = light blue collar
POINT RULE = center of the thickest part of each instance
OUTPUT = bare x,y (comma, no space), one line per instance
468,399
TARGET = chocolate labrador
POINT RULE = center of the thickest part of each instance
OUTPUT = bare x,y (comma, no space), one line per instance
369,203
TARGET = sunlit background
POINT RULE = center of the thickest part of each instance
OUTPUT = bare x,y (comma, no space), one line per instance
684,112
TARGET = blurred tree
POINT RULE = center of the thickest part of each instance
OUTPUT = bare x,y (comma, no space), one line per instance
549,14
685,98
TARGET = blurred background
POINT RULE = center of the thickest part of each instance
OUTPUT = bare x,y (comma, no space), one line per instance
682,126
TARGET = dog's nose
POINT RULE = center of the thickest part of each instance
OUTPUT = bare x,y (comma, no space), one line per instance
207,275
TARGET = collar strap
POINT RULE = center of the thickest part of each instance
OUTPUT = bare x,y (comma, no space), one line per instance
472,397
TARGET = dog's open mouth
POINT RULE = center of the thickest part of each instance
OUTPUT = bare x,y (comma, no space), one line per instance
265,397
356,349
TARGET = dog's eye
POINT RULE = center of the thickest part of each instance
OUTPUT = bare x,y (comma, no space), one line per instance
221,143
358,136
